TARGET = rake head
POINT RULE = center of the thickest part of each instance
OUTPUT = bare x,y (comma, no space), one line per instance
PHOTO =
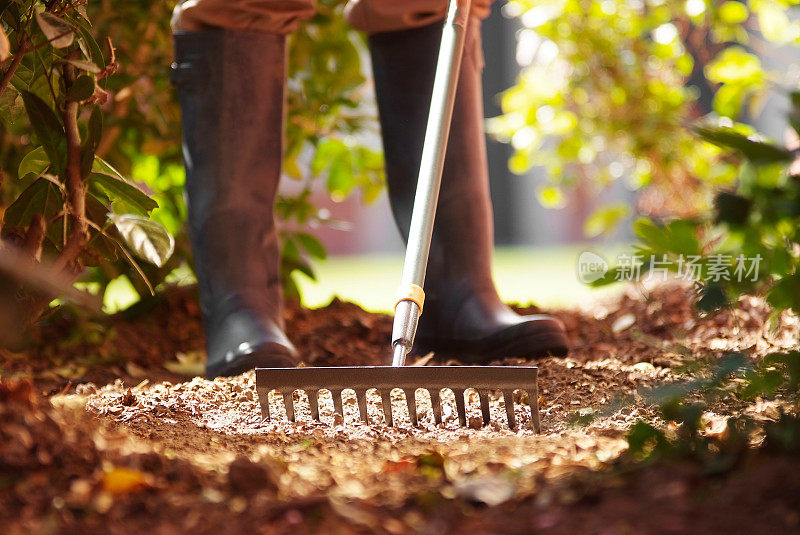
384,379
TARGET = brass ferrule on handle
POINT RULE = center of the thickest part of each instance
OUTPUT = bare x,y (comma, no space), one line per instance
411,292
443,96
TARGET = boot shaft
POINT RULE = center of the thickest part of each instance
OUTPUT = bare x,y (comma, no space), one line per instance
231,90
404,64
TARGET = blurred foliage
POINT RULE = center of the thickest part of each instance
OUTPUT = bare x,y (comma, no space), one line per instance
140,137
749,243
692,433
62,202
608,87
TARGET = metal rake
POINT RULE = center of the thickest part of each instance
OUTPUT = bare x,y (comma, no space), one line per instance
384,379
411,296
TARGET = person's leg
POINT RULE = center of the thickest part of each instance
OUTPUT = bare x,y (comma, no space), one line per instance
463,314
230,83
264,16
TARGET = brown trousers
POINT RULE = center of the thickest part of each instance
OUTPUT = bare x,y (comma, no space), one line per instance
283,16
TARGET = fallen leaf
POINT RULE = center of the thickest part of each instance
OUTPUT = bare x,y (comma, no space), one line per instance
120,480
190,364
424,360
491,490
623,322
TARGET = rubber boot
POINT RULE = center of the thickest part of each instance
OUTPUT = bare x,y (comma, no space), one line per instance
231,91
463,315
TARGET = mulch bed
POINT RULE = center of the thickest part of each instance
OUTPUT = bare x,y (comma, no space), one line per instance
128,443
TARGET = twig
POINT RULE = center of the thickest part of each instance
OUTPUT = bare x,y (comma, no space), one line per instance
34,237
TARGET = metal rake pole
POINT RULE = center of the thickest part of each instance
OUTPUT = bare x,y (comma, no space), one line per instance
411,297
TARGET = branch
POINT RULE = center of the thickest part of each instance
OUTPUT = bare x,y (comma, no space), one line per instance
12,68
76,193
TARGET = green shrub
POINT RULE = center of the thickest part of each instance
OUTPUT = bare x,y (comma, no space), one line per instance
131,122
606,94
63,202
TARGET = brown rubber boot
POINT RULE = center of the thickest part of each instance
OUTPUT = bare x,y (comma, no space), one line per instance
463,315
231,90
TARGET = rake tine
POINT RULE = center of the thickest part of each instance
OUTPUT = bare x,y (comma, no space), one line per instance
264,400
485,413
533,401
288,403
386,403
460,407
411,401
484,380
436,405
508,399
337,402
361,397
313,402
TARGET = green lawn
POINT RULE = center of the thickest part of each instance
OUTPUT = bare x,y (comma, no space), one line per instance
545,276
542,275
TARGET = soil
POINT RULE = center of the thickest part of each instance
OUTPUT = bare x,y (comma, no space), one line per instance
104,432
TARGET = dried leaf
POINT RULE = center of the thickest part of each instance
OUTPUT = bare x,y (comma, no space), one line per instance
84,65
58,32
5,46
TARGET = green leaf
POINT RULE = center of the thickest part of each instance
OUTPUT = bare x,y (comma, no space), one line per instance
340,177
651,233
733,12
94,133
82,89
735,65
47,127
312,245
12,110
327,151
729,100
605,220
58,32
732,209
712,297
754,150
35,162
551,197
147,239
41,197
89,46
785,294
32,75
124,196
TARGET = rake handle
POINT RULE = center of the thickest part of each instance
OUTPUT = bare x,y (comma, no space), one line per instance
410,296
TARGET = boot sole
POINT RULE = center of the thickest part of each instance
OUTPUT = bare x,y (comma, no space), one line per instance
270,355
509,343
